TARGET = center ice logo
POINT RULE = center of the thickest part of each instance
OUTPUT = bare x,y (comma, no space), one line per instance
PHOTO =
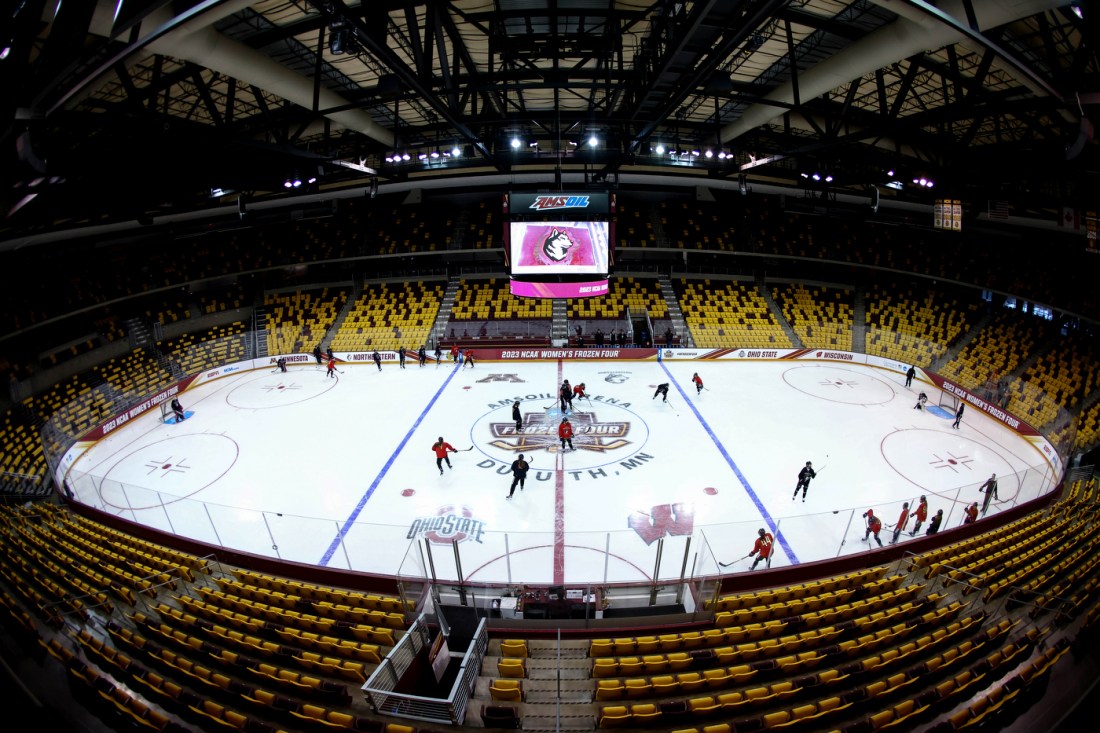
540,432
450,524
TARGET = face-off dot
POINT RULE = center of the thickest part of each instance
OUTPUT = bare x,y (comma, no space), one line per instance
408,492
710,491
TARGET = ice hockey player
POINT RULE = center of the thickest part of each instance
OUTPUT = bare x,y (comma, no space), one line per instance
763,546
517,416
578,393
920,515
331,367
454,353
438,354
698,383
903,519
519,473
317,354
442,448
922,398
662,389
989,488
804,477
401,357
281,363
971,513
934,525
566,395
874,526
377,359
565,432
470,358
422,355
177,408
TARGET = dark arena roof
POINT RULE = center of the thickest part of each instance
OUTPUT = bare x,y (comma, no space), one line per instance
141,109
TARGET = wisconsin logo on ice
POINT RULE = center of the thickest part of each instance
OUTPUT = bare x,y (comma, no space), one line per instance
540,432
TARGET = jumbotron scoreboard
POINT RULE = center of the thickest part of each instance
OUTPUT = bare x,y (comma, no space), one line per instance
559,245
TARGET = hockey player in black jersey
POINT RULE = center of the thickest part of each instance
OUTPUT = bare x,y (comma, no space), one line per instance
804,477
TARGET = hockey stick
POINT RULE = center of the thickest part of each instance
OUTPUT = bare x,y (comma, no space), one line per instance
727,564
463,450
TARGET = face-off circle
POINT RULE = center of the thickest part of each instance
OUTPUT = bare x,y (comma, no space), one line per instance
167,471
268,391
603,434
939,462
836,384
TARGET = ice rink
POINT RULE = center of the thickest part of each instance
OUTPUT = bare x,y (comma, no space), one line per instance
340,472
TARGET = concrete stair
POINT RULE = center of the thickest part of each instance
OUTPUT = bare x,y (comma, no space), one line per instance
560,327
679,326
777,312
443,317
959,345
859,322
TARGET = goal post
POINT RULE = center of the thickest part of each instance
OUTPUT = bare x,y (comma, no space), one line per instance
166,411
948,401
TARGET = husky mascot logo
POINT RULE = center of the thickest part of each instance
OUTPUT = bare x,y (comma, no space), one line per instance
557,245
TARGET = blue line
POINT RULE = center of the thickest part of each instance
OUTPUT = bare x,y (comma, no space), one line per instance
737,471
381,474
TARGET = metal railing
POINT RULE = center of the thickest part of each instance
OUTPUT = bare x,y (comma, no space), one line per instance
380,688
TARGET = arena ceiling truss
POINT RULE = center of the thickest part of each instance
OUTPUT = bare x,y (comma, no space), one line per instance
127,108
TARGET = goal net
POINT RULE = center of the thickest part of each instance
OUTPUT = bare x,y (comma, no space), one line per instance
166,411
948,401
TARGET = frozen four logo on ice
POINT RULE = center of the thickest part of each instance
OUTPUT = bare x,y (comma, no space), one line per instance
450,524
540,432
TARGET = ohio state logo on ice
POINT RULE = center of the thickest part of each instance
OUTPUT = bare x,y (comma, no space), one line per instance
449,525
540,432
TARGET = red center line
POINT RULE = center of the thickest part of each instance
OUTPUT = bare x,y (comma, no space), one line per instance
559,508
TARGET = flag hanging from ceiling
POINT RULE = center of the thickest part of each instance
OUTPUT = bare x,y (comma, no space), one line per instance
1071,218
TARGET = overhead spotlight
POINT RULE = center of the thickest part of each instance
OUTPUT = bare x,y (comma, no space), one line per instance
434,154
922,181
5,52
695,153
916,181
456,152
816,176
709,153
421,156
828,179
313,179
660,149
515,143
572,143
296,183
406,156
1075,8
929,184
804,175
721,155
593,141
389,158
890,172
287,183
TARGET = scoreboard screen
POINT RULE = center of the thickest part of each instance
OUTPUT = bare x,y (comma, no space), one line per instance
558,248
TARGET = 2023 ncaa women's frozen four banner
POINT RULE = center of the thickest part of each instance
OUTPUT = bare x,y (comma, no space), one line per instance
586,289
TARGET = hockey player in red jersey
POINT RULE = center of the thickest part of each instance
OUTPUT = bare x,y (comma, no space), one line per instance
763,548
578,392
565,432
874,526
442,448
903,519
920,515
698,383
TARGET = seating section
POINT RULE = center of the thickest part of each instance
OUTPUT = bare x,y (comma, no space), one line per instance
694,225
640,295
634,227
821,317
1060,378
154,635
298,321
914,327
492,300
390,316
729,315
193,353
995,351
